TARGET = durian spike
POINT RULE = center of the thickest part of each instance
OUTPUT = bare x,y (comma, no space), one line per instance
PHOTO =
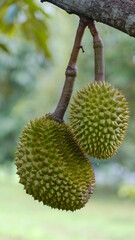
71,73
98,46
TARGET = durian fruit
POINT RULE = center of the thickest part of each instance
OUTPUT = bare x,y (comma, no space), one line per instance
52,167
99,119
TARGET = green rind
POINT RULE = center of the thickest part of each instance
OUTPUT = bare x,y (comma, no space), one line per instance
99,119
52,167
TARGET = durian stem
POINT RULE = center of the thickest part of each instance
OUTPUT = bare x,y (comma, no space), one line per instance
98,52
71,73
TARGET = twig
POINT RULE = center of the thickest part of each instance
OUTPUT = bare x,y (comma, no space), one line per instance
71,73
98,52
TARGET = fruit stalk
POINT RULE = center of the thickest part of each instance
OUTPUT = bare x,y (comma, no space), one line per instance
98,52
71,73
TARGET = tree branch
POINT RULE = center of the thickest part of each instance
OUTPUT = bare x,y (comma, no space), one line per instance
71,73
119,14
98,46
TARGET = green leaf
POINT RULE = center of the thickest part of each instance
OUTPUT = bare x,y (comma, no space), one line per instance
33,28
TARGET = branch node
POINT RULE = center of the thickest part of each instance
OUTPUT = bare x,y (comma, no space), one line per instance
71,71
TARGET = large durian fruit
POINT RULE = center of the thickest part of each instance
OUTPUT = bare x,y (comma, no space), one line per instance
52,167
99,119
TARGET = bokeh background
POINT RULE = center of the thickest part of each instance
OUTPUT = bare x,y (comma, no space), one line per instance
35,45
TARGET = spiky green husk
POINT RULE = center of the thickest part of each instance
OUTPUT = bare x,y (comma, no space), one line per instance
52,167
99,119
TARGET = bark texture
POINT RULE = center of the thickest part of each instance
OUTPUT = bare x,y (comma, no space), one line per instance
119,14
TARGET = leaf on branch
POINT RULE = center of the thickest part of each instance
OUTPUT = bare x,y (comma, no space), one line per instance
26,19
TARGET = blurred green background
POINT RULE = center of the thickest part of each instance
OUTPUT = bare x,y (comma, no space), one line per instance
35,44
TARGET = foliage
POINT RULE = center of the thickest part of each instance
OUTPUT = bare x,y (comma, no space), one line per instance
25,18
18,73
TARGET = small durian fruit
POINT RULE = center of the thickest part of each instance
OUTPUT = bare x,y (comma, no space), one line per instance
52,167
99,119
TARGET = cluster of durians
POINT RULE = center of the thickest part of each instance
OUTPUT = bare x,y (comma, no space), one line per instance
51,160
51,155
